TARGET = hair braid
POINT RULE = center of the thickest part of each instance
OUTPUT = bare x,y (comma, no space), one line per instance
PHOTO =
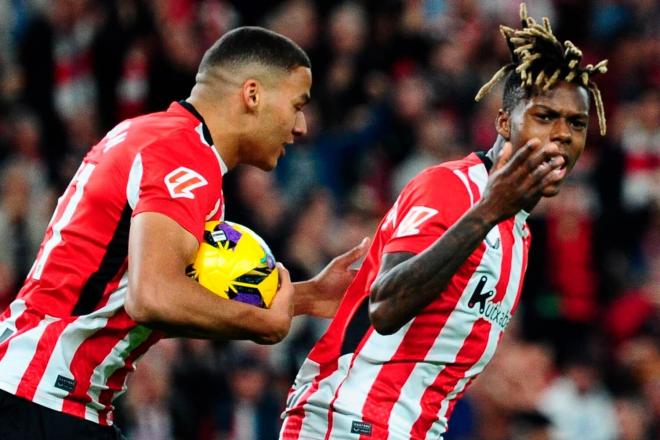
540,60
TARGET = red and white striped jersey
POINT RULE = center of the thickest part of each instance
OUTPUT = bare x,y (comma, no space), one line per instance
358,384
66,342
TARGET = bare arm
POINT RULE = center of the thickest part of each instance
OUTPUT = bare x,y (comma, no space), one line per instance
160,295
406,284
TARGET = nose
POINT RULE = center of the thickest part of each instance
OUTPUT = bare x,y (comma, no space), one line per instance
300,126
561,132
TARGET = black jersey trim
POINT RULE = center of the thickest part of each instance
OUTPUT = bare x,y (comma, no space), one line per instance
356,328
205,130
485,159
114,258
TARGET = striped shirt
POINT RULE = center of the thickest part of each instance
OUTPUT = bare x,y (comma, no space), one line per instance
66,341
359,384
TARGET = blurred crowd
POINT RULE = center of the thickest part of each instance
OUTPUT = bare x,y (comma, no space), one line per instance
394,83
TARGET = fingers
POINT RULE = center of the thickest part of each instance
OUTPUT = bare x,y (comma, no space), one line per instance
351,256
536,160
284,276
547,169
523,153
503,156
278,320
555,175
545,157
284,296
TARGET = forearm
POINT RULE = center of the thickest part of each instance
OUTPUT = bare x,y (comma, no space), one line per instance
184,308
304,298
402,292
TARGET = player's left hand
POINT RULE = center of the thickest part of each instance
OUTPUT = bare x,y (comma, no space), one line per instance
333,280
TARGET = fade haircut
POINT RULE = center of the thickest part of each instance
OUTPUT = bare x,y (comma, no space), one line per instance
249,44
538,62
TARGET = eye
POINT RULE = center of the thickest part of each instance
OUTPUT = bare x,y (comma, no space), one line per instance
544,116
578,123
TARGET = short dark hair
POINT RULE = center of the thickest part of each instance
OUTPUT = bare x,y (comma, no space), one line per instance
252,44
539,61
514,92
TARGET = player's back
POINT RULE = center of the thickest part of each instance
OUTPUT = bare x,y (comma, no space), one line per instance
85,244
66,341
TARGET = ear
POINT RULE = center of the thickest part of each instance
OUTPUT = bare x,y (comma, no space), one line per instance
251,94
503,124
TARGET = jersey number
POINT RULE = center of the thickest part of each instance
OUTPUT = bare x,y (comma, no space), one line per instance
66,208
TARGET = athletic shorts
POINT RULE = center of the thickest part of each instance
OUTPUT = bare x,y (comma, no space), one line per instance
21,419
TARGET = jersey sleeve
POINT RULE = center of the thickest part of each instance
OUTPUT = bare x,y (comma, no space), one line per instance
180,179
425,209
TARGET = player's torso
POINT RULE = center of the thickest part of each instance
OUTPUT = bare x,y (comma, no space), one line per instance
406,383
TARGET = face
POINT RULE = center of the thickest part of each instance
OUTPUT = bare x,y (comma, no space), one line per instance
560,115
279,118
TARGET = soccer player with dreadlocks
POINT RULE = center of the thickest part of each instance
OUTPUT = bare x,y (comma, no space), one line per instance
443,277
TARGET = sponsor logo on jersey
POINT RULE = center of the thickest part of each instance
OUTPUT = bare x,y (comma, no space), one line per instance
490,311
182,181
493,244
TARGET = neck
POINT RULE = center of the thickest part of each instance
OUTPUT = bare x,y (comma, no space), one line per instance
494,151
219,120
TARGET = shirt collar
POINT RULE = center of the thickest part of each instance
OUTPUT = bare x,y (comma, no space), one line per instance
205,130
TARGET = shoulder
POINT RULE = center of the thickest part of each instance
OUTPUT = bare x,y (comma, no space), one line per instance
450,187
447,177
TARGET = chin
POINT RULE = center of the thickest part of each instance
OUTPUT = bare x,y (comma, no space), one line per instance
550,191
266,166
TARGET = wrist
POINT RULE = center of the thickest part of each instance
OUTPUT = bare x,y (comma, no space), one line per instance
303,297
486,214
271,327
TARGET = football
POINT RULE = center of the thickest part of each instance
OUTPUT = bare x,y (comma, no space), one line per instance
235,263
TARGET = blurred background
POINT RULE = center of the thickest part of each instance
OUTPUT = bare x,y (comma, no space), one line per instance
393,92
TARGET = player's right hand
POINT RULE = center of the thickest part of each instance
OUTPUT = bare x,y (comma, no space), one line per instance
518,178
279,315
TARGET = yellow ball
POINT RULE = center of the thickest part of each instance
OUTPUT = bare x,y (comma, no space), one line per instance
235,263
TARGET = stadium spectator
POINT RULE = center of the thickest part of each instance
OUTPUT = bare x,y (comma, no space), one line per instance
400,37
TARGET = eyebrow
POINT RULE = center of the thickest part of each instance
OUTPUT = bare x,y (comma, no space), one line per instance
571,115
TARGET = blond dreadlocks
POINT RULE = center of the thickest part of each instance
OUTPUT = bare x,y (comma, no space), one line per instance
540,60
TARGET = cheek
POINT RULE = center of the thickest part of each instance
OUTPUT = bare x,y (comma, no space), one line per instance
529,128
578,148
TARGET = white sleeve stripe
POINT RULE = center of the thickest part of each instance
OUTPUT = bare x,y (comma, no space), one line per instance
134,180
464,179
479,176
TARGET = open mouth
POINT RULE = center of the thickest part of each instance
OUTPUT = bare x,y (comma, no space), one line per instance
563,166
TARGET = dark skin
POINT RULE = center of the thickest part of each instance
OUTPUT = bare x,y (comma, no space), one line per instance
539,142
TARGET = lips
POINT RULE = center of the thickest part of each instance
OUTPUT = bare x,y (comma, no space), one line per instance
563,165
560,172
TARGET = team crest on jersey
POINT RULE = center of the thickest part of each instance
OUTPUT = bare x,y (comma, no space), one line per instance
182,181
